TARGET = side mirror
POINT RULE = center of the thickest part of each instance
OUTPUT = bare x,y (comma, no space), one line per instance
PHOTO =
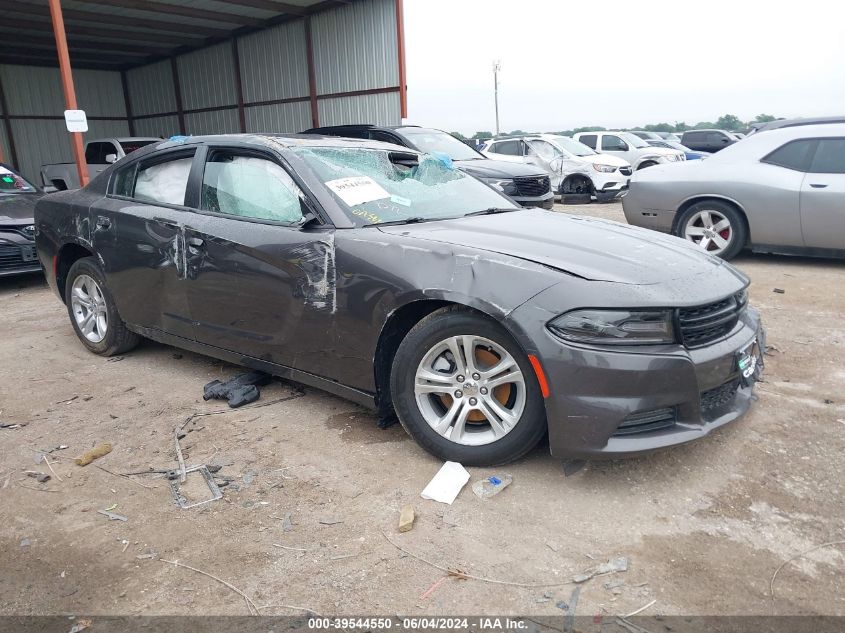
111,158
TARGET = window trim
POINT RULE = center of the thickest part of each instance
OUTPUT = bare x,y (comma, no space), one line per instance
163,157
198,172
811,155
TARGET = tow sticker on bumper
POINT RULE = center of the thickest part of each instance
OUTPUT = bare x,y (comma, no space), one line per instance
750,363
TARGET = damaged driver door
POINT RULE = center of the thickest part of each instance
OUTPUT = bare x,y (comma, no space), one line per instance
260,282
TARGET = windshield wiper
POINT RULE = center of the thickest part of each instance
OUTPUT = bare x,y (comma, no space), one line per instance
413,220
490,211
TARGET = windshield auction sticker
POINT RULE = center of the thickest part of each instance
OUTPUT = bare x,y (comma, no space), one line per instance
357,189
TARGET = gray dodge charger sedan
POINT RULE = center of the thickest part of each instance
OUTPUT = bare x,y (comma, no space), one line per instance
780,191
396,280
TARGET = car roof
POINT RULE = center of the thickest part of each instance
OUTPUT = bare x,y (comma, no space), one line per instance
800,121
287,141
709,129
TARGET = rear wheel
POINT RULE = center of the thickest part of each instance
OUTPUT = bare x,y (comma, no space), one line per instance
463,388
715,227
92,311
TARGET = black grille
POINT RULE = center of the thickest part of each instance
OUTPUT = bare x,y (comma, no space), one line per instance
645,421
704,324
532,187
12,256
625,171
719,396
20,229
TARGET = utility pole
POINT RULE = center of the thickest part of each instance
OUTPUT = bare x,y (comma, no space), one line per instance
497,66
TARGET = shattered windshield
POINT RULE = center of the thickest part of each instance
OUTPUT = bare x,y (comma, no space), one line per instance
378,186
434,141
10,182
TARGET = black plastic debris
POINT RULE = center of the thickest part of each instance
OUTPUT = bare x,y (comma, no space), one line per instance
240,390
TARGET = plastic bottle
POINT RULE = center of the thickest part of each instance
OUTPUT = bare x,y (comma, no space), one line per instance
491,486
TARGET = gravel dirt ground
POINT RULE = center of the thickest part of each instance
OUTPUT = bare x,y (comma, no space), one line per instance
704,526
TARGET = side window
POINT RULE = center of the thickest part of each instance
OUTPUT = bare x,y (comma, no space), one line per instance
95,153
694,137
589,140
716,138
249,187
611,142
124,182
163,181
830,157
511,148
794,155
545,150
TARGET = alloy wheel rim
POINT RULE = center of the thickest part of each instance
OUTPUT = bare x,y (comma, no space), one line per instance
710,230
470,390
89,308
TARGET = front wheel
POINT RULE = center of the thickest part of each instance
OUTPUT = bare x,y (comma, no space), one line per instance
92,311
715,227
464,390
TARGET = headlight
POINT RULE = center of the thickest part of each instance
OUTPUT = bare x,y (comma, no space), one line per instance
615,327
604,168
505,186
672,158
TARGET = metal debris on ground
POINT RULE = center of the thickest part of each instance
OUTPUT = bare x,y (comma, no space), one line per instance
611,566
330,521
447,483
39,477
779,291
239,390
95,453
406,518
112,515
80,626
182,501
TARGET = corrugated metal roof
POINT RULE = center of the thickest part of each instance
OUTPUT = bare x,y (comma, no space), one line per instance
355,47
273,63
133,33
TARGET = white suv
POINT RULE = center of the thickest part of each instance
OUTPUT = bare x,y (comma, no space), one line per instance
629,147
576,170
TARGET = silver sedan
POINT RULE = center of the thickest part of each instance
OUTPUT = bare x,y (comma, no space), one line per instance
781,191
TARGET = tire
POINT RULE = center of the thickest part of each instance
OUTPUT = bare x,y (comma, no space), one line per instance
694,226
109,335
576,198
480,444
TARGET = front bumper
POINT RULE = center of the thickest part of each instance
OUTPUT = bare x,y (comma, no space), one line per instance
546,201
596,394
17,255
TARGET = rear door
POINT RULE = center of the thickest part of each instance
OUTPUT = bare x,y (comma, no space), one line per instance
260,283
823,196
139,236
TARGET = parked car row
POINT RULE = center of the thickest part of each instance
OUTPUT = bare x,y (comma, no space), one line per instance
17,231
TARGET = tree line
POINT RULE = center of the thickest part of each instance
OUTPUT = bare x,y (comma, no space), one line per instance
725,122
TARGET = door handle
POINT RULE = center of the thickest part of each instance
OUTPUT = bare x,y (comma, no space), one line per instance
103,222
818,185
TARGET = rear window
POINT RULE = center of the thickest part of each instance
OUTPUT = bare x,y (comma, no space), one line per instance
830,157
131,146
793,155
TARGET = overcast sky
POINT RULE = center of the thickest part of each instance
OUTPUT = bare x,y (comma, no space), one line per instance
621,64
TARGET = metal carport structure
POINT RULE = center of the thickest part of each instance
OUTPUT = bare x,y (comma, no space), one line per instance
168,67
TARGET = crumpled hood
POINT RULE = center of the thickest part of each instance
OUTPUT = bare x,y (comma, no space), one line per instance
487,168
595,249
18,208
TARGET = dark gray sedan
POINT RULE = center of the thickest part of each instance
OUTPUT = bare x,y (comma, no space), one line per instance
394,279
778,192
17,231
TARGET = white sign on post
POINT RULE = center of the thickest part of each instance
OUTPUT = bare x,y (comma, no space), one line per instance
76,121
